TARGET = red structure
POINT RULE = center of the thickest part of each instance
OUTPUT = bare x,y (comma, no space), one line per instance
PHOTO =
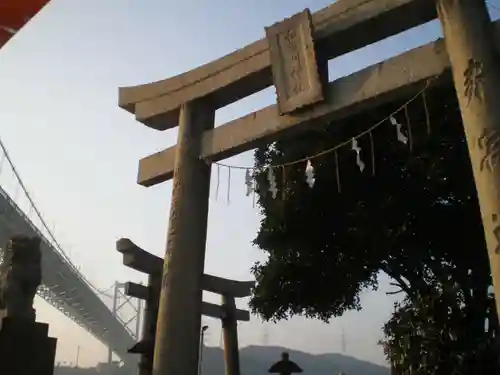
14,14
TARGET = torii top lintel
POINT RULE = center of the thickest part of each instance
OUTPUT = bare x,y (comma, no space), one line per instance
342,27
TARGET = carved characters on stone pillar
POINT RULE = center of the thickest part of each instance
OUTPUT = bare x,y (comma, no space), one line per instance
496,232
474,80
293,61
173,231
290,37
489,144
166,263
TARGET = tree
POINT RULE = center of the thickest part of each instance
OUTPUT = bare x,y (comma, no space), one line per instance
415,216
437,334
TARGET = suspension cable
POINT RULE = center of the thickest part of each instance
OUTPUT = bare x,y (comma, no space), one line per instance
42,221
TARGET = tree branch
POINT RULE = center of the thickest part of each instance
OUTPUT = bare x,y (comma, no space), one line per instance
400,282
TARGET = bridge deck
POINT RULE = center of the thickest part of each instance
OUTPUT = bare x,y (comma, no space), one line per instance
63,285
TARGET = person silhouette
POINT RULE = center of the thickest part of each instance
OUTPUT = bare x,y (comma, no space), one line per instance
285,366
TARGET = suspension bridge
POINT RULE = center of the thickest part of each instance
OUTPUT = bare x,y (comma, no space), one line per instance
63,285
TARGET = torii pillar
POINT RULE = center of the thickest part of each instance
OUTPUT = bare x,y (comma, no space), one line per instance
466,27
179,315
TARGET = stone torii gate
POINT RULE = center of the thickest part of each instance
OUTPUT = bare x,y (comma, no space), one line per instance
294,57
142,261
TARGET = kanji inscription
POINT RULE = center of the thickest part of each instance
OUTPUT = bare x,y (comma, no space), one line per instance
294,70
489,144
294,65
496,232
473,80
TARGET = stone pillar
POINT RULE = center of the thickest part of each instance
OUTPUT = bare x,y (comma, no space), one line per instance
149,326
230,335
26,348
476,73
178,324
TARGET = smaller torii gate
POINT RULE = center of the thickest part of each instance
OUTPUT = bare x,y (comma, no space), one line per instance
140,260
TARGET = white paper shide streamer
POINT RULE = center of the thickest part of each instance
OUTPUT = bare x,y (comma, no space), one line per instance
357,149
249,182
310,179
271,178
401,137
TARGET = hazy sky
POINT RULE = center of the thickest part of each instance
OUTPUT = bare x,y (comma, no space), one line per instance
78,152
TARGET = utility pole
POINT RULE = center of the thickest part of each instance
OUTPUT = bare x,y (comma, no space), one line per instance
467,32
265,336
77,355
342,341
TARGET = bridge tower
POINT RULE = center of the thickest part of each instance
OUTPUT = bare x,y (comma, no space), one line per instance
120,302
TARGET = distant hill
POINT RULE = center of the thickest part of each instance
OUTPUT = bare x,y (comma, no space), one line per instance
256,360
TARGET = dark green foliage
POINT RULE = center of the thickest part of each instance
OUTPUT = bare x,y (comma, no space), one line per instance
442,333
416,218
